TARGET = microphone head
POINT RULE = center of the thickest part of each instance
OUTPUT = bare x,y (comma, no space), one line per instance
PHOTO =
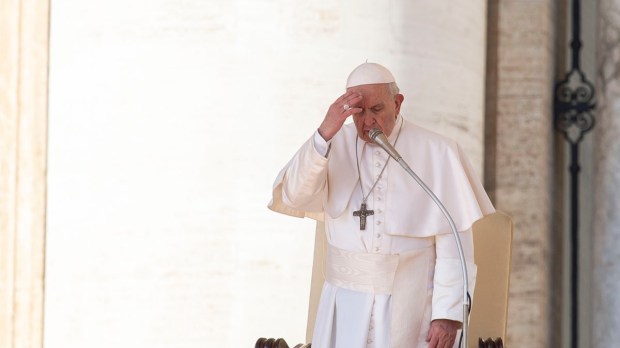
374,133
377,137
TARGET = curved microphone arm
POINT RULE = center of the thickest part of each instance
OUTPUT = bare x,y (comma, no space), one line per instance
377,136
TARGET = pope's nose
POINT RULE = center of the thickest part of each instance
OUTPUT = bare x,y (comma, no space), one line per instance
369,120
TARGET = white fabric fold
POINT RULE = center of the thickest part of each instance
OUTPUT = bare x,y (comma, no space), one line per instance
365,272
305,195
448,303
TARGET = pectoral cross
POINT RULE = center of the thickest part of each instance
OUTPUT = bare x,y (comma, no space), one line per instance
362,213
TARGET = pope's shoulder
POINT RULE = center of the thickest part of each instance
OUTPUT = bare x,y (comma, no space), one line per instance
418,134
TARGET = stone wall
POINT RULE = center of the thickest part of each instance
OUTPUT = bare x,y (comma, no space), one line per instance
605,279
519,158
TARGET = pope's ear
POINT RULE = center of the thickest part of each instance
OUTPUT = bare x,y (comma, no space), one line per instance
398,99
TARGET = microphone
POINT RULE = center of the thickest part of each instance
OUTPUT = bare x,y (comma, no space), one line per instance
377,137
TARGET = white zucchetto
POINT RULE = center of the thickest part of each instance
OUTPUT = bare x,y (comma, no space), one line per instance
368,74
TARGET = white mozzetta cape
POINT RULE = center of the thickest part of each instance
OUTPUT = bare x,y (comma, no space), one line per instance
406,221
438,161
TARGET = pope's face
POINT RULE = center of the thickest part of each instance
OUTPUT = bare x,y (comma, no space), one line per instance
379,109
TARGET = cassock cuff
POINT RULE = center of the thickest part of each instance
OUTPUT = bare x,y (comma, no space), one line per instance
320,145
448,289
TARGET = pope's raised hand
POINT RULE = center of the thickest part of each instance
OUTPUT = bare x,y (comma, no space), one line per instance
345,106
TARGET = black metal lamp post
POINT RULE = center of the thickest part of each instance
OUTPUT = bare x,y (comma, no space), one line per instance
573,117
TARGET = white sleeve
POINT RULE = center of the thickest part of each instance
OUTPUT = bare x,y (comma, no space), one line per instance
448,279
304,179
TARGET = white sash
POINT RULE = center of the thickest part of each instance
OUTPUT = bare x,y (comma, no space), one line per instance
404,276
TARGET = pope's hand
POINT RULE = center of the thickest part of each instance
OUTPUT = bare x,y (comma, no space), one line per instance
442,333
345,106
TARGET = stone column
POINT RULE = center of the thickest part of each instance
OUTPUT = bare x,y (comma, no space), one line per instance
23,139
518,161
606,239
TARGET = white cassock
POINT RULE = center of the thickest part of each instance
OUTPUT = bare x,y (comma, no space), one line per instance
407,243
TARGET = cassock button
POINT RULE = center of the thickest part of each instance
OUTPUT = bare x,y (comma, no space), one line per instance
378,235
379,211
377,164
377,152
378,222
379,188
377,249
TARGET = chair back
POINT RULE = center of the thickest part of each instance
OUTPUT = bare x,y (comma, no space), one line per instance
492,254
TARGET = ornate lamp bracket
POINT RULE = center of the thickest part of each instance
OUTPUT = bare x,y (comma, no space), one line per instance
574,106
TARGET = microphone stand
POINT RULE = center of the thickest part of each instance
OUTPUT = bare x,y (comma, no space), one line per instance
458,244
377,136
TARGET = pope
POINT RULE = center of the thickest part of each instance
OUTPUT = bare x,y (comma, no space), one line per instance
393,274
